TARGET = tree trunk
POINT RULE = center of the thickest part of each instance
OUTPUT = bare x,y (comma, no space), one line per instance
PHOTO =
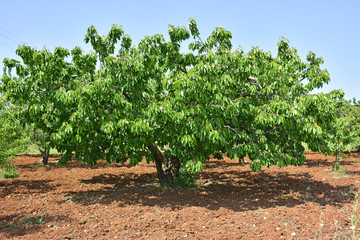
44,153
45,156
167,168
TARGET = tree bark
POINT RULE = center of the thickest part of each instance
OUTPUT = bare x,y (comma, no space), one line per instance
46,152
167,168
45,156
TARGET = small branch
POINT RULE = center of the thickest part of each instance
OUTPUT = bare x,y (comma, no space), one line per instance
87,84
42,91
104,47
258,135
269,131
253,79
232,129
127,96
187,104
202,42
298,81
240,133
242,95
179,67
256,83
51,90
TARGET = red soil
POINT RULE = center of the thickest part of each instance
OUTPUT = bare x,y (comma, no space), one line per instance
122,202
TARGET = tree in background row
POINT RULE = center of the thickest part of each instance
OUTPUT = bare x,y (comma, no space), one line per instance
346,131
13,138
176,109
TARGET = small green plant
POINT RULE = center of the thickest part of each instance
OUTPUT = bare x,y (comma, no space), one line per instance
337,232
9,170
353,233
319,233
336,166
286,224
341,171
338,169
230,183
39,165
262,210
185,179
355,218
352,192
33,220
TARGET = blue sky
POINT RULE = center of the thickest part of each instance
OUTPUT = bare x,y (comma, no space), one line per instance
331,29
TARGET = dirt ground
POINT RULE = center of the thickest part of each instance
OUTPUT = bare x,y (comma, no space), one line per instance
121,202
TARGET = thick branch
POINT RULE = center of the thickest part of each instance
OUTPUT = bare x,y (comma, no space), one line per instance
155,150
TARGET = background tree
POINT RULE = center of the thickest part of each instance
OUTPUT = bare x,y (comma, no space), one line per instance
346,129
353,114
40,74
176,109
13,138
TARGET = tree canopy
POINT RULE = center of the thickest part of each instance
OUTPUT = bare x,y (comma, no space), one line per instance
178,109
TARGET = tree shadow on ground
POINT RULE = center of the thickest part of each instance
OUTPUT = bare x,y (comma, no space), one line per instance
317,162
20,225
354,172
32,186
239,191
53,164
222,163
323,163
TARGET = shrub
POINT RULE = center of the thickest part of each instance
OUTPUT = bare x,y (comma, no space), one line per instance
185,179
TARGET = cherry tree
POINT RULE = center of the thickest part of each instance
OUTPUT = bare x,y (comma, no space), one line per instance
150,100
